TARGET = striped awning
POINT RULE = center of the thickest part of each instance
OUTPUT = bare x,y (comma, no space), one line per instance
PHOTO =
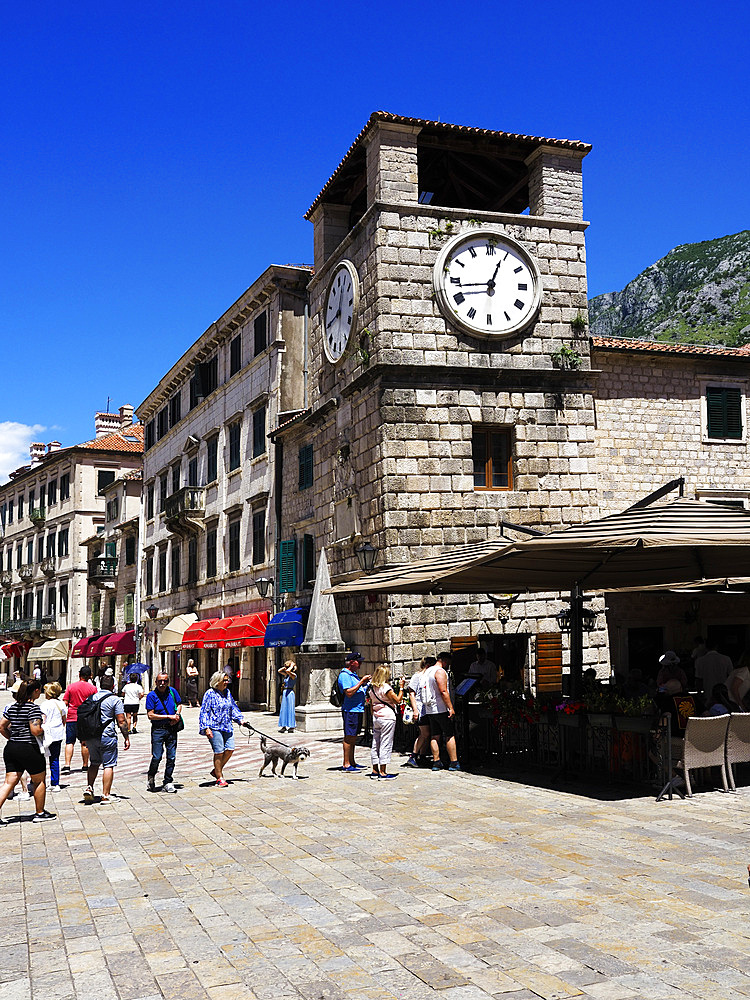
660,545
53,649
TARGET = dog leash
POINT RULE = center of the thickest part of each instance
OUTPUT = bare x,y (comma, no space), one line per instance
252,731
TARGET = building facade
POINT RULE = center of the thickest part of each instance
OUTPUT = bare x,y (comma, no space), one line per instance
47,509
210,474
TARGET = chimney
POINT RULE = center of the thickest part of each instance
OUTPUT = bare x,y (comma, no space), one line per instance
53,446
36,450
126,416
106,423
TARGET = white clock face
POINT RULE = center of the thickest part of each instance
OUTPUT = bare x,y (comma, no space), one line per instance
340,311
487,283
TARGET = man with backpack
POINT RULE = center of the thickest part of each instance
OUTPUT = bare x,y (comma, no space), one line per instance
97,718
74,696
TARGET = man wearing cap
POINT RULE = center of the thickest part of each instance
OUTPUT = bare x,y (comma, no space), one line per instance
352,687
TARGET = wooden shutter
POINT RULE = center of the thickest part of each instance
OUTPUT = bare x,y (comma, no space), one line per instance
308,560
305,467
724,412
287,566
129,609
549,661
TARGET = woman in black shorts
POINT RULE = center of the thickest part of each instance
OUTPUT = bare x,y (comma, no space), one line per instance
21,725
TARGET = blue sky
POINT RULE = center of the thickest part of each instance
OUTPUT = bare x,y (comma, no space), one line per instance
157,157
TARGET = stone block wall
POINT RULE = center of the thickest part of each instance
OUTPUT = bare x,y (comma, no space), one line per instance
555,183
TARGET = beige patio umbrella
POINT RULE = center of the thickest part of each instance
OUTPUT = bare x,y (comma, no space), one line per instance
173,631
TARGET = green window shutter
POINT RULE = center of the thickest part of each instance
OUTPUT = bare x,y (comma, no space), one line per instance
95,616
129,609
724,413
287,566
305,466
6,610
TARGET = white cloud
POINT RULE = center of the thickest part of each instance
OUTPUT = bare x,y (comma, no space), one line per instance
15,439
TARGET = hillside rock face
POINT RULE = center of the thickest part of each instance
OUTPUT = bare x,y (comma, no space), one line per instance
698,294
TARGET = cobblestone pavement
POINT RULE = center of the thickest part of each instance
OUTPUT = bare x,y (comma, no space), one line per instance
458,886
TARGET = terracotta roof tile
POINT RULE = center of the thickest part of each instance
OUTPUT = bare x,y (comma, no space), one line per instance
118,441
656,347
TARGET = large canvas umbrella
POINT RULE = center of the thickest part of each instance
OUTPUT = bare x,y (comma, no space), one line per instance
659,545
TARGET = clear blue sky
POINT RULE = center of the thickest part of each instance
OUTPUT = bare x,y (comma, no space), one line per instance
157,157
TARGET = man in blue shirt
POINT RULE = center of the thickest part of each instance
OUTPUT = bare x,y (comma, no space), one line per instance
163,708
352,687
103,750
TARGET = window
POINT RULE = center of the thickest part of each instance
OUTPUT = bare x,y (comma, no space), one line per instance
28,605
149,437
175,409
20,508
308,561
149,583
162,423
51,544
40,548
175,565
205,379
175,477
18,606
234,446
234,545
162,570
259,432
305,479
42,495
10,511
30,551
51,601
64,486
287,566
9,558
113,509
51,494
130,550
235,355
192,569
110,550
95,614
150,501
260,331
259,537
724,413
193,472
491,459
112,616
63,598
31,502
3,513
129,609
211,553
19,556
103,478
62,541
212,460
163,487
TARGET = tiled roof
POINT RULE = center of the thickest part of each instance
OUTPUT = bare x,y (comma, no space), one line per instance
656,347
117,440
134,474
386,116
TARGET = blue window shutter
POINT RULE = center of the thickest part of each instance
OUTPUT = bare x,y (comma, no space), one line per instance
287,566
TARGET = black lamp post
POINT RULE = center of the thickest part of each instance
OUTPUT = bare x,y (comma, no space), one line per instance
367,556
264,584
152,611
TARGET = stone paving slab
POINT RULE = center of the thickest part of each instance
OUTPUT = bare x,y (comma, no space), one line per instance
334,887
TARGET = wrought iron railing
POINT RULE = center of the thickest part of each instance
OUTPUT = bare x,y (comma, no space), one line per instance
13,626
102,569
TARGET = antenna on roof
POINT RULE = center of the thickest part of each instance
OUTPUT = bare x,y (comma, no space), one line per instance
109,400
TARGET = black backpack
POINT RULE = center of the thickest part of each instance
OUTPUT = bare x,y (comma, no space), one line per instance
336,698
90,725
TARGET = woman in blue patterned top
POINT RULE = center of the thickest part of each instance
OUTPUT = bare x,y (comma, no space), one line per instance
218,713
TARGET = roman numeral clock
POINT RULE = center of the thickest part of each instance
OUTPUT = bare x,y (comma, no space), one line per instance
487,283
340,310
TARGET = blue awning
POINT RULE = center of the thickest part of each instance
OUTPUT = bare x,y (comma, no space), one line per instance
287,628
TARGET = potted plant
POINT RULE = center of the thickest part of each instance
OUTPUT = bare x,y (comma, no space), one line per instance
635,715
571,713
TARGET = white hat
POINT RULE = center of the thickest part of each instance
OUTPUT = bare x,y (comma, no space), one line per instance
669,659
109,672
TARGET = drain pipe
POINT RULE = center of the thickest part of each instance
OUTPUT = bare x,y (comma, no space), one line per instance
306,317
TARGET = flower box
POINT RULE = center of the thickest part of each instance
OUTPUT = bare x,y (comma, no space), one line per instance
634,723
574,720
602,720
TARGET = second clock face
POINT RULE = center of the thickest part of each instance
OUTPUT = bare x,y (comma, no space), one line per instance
487,283
340,310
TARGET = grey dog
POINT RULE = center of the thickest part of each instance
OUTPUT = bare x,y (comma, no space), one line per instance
277,752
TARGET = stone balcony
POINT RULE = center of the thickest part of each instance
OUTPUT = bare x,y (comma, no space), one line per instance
185,510
37,516
26,572
6,579
16,627
48,566
102,571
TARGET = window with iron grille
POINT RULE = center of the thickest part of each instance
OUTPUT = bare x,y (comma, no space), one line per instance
723,413
234,545
130,550
234,446
308,560
51,494
235,355
211,553
175,565
260,333
305,456
192,567
62,541
492,459
259,432
287,566
259,537
212,460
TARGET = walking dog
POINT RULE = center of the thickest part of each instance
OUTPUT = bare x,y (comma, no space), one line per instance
278,752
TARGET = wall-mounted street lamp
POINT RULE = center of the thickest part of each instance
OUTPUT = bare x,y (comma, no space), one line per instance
152,611
79,631
367,556
264,584
588,620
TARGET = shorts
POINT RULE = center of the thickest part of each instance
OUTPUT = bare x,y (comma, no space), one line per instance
442,724
71,732
20,757
103,752
423,721
352,722
222,740
132,710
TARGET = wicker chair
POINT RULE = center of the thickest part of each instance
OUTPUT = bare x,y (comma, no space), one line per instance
738,743
705,743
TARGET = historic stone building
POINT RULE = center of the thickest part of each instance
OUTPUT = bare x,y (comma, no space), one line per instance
449,387
47,509
210,477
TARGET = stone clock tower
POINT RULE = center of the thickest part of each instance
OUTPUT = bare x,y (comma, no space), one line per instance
448,377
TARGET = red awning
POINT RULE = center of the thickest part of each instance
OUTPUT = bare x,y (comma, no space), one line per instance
195,633
217,633
18,649
120,644
247,630
97,645
81,648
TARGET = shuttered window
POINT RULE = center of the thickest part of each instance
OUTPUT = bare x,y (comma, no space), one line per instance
287,566
549,662
308,560
129,608
305,479
723,412
95,614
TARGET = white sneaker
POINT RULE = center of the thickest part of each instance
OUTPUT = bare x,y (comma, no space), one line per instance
88,795
54,788
169,787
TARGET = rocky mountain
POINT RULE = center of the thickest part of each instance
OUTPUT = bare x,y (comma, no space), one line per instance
698,294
